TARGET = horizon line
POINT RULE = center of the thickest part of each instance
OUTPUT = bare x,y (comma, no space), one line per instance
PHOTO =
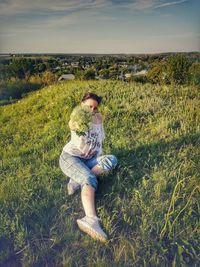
85,53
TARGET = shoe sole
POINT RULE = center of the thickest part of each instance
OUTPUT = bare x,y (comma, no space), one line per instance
71,191
90,231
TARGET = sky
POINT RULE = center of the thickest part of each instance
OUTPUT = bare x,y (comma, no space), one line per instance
99,26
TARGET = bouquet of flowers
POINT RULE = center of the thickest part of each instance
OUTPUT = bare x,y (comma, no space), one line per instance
81,116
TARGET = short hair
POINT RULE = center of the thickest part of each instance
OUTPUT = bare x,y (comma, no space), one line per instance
93,96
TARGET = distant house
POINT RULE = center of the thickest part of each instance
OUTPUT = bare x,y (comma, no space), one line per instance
100,77
66,77
128,75
142,72
75,64
57,68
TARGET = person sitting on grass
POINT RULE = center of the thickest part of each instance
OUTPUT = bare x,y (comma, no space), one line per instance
81,160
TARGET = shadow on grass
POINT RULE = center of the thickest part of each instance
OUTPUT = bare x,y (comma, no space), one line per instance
144,158
10,92
132,166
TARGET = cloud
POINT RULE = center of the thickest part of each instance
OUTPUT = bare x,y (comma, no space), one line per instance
12,7
27,16
15,7
146,4
171,3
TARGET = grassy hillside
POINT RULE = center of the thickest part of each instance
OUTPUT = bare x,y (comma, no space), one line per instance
149,205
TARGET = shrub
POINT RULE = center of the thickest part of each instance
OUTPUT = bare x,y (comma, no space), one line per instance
139,79
158,72
89,74
35,79
194,73
48,78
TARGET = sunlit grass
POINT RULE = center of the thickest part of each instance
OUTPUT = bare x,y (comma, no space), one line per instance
149,205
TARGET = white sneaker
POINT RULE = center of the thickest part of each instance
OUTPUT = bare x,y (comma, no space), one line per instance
90,225
72,187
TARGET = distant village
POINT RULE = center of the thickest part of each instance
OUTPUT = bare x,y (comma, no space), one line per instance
120,71
100,67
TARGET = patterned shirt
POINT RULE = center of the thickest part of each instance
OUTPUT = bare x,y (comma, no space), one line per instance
90,144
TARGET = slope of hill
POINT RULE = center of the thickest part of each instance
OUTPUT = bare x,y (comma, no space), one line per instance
149,206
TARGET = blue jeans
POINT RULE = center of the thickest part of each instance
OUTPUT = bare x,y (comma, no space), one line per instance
79,169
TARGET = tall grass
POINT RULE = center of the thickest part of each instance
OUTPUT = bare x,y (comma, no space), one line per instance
149,205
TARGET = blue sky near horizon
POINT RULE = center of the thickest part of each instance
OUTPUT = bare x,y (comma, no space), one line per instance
99,26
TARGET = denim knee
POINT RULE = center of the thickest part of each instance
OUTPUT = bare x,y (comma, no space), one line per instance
90,180
107,162
74,168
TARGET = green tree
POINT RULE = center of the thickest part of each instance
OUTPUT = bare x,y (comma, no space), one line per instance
5,72
89,74
194,72
113,71
22,68
178,69
42,67
50,63
104,73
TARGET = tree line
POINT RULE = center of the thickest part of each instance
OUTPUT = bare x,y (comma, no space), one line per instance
21,75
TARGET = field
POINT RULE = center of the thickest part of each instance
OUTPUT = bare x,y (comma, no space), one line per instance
149,206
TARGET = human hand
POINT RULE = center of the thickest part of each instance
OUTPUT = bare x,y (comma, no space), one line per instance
73,125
